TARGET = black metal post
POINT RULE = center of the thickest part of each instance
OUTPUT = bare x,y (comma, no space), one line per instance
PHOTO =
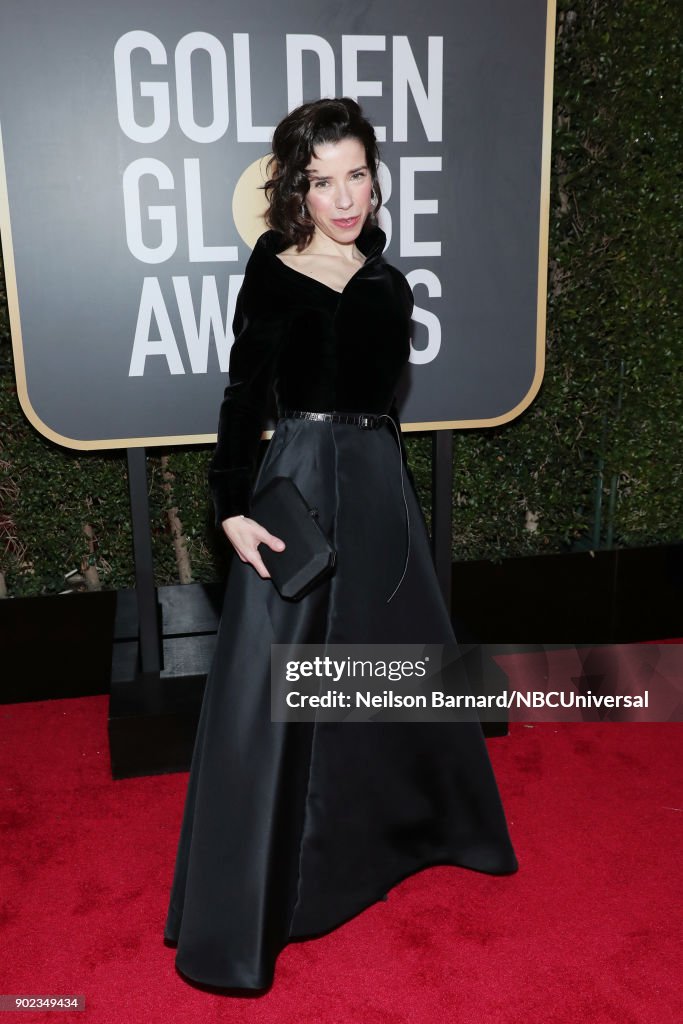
442,510
150,654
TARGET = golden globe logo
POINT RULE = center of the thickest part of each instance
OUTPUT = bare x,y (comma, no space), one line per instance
249,201
162,199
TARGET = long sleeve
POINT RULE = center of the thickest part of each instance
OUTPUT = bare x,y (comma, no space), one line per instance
258,332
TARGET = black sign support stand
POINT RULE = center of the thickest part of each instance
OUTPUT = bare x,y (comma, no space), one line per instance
442,533
150,650
442,511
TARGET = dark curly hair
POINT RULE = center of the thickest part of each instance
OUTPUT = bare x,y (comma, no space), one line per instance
293,146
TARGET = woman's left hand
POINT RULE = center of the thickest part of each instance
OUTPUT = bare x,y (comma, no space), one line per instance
245,535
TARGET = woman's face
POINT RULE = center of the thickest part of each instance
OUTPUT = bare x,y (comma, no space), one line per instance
338,199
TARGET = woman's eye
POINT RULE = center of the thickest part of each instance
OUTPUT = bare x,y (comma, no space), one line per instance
320,184
359,174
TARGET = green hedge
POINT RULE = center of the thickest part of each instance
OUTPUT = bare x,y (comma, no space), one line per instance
594,462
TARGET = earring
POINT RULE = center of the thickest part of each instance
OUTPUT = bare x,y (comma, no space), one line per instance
304,211
373,197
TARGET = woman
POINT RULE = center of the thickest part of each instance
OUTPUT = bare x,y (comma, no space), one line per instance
291,828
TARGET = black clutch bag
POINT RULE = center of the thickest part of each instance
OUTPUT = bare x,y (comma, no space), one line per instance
308,557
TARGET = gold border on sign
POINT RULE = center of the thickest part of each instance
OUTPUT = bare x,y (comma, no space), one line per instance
183,439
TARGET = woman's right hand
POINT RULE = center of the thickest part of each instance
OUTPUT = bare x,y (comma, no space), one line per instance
245,535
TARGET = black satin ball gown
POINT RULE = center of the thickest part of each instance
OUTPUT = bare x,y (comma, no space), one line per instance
289,829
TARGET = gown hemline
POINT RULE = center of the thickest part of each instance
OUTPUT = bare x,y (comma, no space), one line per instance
368,902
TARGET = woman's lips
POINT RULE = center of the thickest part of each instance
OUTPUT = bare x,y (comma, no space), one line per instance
345,222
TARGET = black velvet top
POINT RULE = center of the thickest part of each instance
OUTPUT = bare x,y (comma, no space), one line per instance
310,347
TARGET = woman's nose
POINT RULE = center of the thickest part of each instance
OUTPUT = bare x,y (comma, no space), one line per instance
343,199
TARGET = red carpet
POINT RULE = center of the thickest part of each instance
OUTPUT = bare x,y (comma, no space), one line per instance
587,932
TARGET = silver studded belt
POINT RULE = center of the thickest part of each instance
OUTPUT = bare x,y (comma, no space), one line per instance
367,421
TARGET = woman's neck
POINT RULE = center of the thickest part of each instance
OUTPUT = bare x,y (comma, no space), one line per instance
322,245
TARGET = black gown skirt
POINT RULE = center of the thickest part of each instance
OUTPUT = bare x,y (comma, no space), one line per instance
291,828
